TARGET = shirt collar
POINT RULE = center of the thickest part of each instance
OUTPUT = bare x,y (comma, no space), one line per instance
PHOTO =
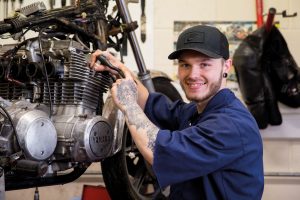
221,99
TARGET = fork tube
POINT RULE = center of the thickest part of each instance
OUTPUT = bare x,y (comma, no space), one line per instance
144,74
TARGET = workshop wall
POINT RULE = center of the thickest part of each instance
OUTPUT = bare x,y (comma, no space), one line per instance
168,11
281,153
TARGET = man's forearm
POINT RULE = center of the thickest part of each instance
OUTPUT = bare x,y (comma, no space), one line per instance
143,131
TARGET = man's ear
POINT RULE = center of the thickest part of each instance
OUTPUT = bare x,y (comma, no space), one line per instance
227,65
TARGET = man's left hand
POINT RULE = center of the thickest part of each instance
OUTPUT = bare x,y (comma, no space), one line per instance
124,93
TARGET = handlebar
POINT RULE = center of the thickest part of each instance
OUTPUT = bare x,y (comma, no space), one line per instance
103,60
4,28
16,25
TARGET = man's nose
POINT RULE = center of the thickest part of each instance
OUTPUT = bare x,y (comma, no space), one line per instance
195,71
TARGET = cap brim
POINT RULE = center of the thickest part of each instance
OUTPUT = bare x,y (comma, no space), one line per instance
176,54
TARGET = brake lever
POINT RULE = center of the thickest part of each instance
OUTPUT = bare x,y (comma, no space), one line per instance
103,60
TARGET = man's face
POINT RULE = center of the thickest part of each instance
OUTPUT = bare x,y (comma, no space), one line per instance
200,77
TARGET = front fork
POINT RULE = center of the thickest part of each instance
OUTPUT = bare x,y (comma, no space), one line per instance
144,74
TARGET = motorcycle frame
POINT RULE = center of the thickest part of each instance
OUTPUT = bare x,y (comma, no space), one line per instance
143,73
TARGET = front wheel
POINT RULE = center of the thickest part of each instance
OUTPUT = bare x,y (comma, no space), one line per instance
126,174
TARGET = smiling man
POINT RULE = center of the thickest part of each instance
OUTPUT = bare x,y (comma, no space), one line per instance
209,148
200,77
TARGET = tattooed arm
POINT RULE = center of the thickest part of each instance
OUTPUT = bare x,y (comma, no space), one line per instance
142,91
130,96
142,130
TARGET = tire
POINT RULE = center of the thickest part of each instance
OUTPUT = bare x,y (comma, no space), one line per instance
126,174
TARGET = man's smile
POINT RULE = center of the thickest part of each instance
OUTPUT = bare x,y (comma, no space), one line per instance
195,85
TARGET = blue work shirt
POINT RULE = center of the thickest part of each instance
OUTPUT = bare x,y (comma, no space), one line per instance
214,155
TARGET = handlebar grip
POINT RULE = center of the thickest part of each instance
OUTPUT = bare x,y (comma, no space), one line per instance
103,60
4,28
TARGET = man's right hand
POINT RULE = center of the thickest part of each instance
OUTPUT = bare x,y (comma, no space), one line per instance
113,60
142,92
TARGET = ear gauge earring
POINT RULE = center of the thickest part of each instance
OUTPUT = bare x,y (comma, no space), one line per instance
225,75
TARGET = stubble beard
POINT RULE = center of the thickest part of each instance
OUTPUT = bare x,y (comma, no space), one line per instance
212,90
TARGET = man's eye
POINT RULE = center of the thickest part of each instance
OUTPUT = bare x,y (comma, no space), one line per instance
203,65
184,65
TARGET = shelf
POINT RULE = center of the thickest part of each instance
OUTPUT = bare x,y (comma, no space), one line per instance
290,127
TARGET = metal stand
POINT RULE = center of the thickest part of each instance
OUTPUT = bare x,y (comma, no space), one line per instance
2,184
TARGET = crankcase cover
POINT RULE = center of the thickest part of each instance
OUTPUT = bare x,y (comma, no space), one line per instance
98,138
36,135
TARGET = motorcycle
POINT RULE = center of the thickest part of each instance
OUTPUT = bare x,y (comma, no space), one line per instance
56,114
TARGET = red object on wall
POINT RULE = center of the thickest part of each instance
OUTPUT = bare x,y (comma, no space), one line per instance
91,192
270,19
259,13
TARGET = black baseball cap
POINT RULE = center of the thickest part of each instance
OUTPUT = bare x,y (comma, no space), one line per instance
207,40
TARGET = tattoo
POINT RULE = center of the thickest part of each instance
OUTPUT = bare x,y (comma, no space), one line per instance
127,96
126,92
137,117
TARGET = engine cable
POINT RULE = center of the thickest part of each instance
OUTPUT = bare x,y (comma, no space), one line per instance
46,74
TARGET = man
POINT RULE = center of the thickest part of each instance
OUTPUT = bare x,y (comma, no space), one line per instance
210,148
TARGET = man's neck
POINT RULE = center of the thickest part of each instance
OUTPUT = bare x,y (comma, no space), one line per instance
201,105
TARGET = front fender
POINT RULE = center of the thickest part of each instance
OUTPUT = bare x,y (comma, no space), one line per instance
117,120
159,74
155,74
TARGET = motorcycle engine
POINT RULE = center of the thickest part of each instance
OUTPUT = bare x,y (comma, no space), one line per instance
51,105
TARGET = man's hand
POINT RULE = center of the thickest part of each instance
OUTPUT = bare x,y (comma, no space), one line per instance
113,60
141,91
124,93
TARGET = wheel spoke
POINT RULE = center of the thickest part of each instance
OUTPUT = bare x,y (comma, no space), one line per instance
139,178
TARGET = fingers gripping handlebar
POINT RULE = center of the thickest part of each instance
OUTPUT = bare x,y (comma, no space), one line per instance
105,62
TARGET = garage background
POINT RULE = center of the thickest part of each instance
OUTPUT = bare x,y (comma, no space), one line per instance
281,143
